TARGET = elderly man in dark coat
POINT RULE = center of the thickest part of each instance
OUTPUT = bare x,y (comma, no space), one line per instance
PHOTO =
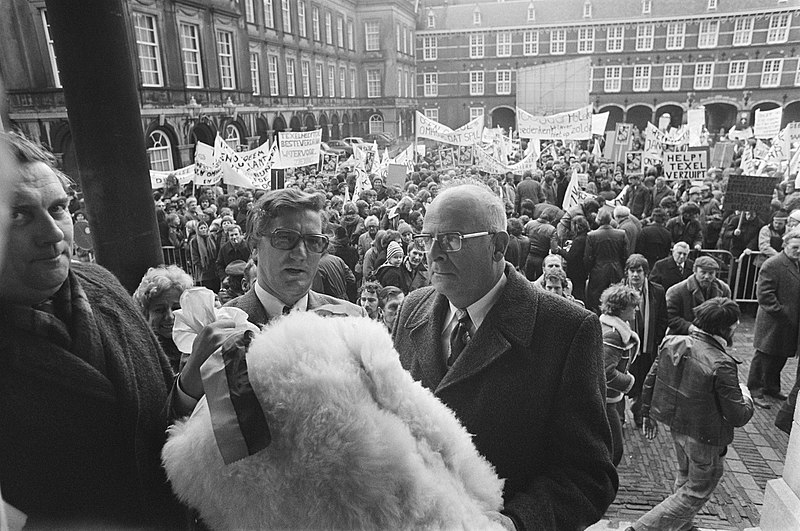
674,268
684,297
777,319
604,258
522,369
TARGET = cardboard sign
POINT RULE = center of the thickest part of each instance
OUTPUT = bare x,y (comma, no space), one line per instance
722,155
621,141
691,164
633,163
396,175
446,158
767,123
465,156
750,193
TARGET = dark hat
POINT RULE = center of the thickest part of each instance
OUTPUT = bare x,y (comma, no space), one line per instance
235,268
707,263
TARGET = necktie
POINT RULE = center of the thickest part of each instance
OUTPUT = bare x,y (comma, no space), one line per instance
287,310
459,337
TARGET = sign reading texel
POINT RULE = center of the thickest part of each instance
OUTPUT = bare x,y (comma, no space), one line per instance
691,164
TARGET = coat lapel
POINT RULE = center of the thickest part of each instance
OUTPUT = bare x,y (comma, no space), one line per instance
509,322
425,325
790,266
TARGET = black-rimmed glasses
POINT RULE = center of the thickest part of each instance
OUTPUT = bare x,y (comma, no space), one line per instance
449,242
287,239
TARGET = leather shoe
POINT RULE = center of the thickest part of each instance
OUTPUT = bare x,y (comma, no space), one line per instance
778,395
760,402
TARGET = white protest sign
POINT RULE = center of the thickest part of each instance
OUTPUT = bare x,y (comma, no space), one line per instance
158,179
466,135
696,121
791,136
692,164
570,125
767,123
207,168
299,148
599,122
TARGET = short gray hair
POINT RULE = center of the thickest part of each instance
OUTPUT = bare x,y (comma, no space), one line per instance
791,235
26,151
495,209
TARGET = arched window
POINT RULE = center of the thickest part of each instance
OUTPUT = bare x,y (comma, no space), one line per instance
159,151
376,123
232,137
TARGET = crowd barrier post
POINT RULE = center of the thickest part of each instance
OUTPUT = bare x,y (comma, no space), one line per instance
746,282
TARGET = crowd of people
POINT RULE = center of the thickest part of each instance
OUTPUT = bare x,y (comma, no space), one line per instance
462,267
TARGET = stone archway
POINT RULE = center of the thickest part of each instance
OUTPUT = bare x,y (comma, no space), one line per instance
309,123
763,106
346,129
334,134
504,117
720,116
675,112
791,113
639,115
615,116
294,124
323,124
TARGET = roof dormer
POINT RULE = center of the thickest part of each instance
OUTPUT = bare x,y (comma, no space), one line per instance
431,18
587,9
647,7
531,13
476,16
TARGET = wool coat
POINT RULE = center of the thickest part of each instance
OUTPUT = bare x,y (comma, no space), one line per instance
530,386
604,259
667,273
778,292
684,297
255,311
82,415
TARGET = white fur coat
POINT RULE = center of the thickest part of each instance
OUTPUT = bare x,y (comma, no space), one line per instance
356,443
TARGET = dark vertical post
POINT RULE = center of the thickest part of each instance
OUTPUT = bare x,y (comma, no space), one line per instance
100,88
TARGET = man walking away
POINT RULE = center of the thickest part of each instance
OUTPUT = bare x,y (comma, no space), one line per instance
694,388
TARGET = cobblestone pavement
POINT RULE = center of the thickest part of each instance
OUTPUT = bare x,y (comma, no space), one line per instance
755,457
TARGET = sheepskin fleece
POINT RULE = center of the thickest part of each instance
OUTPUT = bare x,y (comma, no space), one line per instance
356,443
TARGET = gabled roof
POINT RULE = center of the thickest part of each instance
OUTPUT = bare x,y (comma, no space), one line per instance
569,12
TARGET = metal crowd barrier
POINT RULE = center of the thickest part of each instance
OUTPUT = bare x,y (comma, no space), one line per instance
746,284
180,258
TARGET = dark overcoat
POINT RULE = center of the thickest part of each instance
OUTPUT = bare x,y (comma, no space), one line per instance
530,386
667,273
684,297
778,292
604,259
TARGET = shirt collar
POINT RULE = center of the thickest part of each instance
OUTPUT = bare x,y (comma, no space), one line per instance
274,306
479,309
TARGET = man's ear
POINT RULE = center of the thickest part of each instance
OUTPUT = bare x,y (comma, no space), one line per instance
500,244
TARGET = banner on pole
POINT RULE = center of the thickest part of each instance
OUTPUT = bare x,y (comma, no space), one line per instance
299,148
570,125
466,135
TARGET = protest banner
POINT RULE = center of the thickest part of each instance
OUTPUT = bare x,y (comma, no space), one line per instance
750,193
696,121
396,175
158,179
299,148
722,155
329,163
570,125
691,164
574,194
633,163
791,137
466,135
767,123
464,156
620,142
207,167
446,158
599,122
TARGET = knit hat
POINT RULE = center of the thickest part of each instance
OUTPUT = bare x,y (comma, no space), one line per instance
403,228
394,249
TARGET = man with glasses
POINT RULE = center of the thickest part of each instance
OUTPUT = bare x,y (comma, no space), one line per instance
285,228
522,369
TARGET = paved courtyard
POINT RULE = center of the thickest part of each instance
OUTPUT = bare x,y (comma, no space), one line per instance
755,457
